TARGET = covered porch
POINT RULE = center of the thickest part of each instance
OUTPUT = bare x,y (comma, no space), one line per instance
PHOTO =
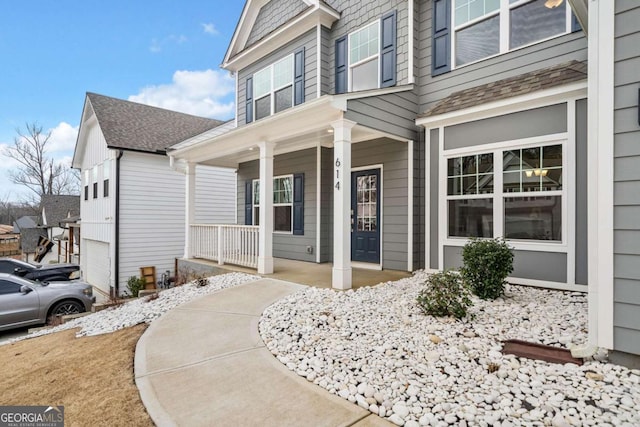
321,140
301,272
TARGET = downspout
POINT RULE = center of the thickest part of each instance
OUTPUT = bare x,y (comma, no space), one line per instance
117,226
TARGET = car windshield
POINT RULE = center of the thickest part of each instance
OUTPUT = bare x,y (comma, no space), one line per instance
25,264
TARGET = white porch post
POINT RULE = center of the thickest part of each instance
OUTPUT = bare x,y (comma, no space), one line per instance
342,204
265,240
189,206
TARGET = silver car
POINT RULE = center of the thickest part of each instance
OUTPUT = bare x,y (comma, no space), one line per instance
24,302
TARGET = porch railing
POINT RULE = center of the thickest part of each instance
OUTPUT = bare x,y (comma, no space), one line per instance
231,244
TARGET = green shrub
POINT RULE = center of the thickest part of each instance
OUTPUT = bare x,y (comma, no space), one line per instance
486,265
135,285
445,294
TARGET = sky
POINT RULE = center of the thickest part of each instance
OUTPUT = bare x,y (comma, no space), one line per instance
164,53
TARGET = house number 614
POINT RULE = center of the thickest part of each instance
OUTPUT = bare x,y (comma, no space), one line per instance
338,173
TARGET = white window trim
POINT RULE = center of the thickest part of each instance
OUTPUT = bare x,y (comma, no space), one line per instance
568,167
504,10
365,60
253,205
273,90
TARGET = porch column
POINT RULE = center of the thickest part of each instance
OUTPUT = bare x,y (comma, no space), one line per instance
189,206
341,277
265,242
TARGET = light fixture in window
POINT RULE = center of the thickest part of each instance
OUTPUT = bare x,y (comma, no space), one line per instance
550,4
529,173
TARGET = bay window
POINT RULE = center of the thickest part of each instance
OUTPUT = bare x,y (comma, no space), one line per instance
483,28
520,198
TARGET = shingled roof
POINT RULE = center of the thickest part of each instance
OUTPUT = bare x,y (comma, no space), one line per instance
133,126
58,208
522,84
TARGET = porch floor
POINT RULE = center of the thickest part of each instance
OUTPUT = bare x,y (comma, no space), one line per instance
313,274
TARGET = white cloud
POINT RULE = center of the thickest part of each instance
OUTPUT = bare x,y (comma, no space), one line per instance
210,28
201,93
157,45
63,138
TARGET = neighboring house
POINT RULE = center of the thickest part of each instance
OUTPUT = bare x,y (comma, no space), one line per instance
132,208
386,134
56,210
27,221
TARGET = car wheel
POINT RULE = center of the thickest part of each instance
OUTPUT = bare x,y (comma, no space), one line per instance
64,308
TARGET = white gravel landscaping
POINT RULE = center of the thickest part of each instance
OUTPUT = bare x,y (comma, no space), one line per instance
143,310
374,347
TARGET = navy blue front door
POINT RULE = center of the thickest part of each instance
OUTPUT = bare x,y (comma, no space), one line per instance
365,216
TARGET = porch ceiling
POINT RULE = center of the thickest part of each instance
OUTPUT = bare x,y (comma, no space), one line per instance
302,127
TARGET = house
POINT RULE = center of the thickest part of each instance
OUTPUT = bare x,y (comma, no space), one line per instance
56,210
132,211
386,134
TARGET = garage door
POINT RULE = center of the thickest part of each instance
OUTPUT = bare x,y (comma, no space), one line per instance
96,270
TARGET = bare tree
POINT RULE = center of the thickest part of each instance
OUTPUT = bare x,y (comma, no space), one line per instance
37,171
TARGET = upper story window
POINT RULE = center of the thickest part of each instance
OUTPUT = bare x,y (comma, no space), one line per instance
94,179
86,184
364,57
106,170
367,58
483,28
273,88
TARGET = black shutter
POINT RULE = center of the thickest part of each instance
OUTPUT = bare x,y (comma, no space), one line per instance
341,65
441,41
575,24
248,202
298,77
298,204
249,100
388,50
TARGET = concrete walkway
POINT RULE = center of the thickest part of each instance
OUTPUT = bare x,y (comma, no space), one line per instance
204,364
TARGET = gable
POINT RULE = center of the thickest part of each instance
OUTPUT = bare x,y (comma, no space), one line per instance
265,25
273,15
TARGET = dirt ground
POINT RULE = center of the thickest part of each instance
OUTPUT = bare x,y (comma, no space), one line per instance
91,376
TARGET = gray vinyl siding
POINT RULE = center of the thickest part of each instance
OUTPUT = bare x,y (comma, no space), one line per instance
309,42
274,14
288,246
434,186
394,113
526,264
355,14
215,195
419,171
626,179
582,174
432,89
509,127
393,156
327,70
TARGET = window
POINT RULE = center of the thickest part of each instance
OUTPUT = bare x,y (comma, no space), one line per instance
86,184
106,171
525,200
7,287
527,174
282,203
483,28
470,195
94,176
364,57
273,88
